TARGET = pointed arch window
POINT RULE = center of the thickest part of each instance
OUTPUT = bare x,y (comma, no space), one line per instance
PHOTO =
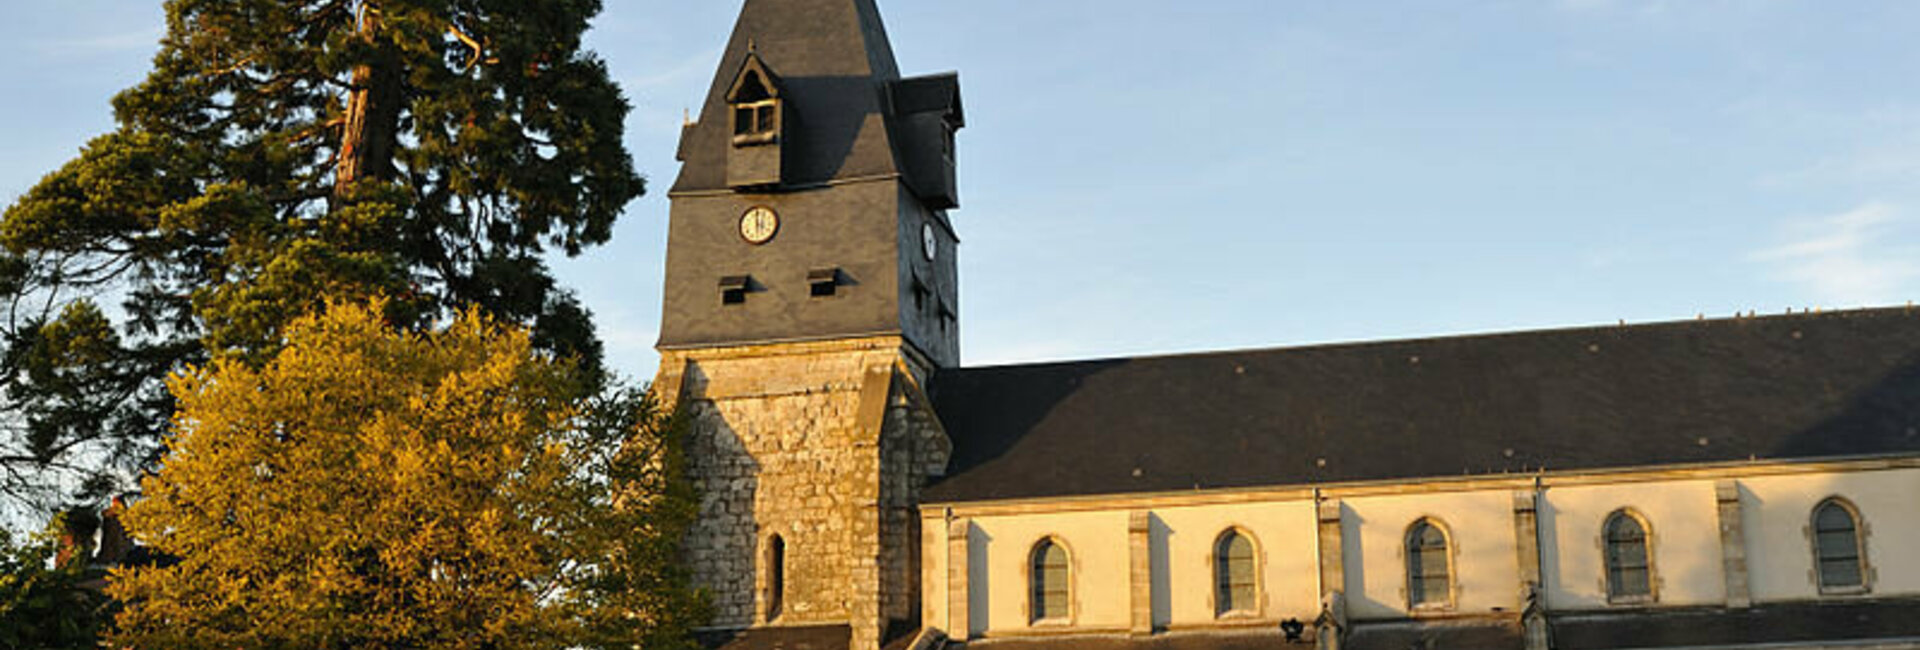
1629,559
1235,579
1051,576
1429,566
1839,553
776,577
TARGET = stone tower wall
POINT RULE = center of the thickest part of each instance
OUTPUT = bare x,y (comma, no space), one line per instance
825,444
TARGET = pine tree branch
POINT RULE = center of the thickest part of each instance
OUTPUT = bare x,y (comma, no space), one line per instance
471,44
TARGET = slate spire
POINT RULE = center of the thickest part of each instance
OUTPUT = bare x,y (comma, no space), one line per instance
834,63
814,190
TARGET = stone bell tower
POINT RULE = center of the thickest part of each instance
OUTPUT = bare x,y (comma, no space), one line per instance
811,290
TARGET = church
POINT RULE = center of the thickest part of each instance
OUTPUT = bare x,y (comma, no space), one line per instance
1728,483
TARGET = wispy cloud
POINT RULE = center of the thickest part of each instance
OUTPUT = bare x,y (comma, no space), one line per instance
695,67
1660,9
147,38
684,78
1846,259
1878,164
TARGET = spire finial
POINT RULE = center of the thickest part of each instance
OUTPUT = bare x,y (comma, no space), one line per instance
752,47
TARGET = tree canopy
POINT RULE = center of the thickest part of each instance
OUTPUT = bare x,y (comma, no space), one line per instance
285,152
46,604
374,488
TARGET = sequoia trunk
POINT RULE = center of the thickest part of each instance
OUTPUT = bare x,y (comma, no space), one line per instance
373,113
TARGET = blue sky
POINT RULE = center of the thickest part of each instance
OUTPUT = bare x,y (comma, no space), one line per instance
1148,177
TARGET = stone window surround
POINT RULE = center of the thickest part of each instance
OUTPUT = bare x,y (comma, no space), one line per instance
1606,570
1073,593
772,604
1259,567
1453,576
1861,531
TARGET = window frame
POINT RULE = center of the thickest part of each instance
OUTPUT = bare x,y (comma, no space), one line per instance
1032,581
1214,566
1408,552
761,110
1606,559
1860,531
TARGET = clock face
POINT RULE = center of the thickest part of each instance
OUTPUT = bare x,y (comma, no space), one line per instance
928,243
758,225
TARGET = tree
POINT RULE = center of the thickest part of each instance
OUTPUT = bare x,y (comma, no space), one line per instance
43,605
283,152
373,488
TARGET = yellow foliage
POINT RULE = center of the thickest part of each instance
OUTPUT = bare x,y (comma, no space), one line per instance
371,487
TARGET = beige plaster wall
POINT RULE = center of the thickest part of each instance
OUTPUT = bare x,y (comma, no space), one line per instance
1778,509
1182,542
1097,546
1681,511
1486,571
1684,541
934,588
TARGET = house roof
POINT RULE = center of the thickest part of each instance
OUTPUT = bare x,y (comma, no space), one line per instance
1803,386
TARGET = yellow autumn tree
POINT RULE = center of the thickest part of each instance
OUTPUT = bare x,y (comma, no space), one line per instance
375,488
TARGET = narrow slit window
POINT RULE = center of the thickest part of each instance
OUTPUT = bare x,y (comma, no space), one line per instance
1235,588
1629,564
1050,576
1837,548
1429,570
948,129
776,576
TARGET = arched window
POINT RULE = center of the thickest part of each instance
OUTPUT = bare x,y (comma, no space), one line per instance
1236,589
1841,558
1051,581
776,576
1429,566
1629,564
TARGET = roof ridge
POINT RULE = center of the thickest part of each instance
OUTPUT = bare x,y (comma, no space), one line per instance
1909,309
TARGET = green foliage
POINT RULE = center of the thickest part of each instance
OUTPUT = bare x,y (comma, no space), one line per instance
286,152
369,487
41,606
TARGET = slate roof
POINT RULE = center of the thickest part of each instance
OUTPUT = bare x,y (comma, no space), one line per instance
1761,625
820,637
1828,622
1466,634
833,60
1803,386
1257,639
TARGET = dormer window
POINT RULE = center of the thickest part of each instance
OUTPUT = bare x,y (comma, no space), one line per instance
755,98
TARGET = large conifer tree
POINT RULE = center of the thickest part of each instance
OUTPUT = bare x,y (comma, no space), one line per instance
283,152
